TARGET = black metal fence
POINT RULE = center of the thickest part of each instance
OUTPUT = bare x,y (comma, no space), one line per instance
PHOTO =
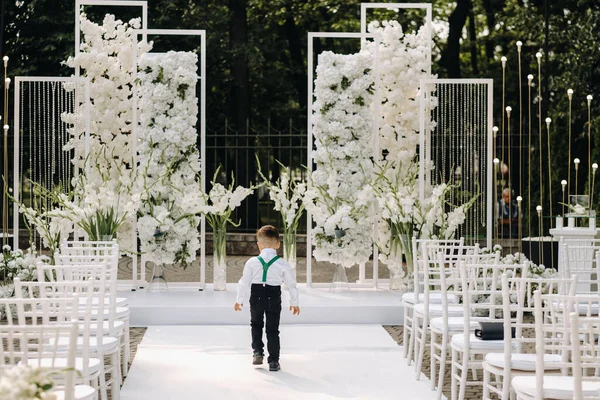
237,151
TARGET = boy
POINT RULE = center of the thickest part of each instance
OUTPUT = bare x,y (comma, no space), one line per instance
264,275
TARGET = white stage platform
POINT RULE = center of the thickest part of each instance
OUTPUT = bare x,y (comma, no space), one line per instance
323,362
318,306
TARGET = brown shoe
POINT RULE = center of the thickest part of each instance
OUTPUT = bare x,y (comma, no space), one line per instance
257,358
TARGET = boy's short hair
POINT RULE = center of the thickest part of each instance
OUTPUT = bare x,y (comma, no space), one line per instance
268,233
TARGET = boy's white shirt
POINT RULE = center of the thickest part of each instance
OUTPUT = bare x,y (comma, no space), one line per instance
277,273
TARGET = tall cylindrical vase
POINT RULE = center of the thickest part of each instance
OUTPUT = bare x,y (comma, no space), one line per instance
219,258
289,248
407,250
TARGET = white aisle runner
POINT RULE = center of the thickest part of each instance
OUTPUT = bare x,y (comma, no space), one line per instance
317,362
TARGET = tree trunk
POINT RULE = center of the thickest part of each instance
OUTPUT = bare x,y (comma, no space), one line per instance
240,89
243,156
451,57
296,57
473,41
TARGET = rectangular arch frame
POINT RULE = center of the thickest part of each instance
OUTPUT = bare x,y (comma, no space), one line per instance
17,132
428,85
201,34
362,281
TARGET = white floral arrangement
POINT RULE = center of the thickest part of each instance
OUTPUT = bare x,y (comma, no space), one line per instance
19,264
22,382
217,206
338,196
106,59
402,212
221,201
169,159
287,195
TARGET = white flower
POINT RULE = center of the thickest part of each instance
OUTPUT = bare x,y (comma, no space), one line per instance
170,162
342,127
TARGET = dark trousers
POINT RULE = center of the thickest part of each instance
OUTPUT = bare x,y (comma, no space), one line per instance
265,301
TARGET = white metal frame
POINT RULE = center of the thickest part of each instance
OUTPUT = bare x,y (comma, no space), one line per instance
144,18
362,282
17,130
178,32
363,35
425,138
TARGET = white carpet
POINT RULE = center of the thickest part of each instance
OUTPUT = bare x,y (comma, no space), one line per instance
317,361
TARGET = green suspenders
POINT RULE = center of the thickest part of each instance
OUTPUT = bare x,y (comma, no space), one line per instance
266,266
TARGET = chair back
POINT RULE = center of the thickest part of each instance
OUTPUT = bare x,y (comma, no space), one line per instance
581,259
26,347
421,258
585,357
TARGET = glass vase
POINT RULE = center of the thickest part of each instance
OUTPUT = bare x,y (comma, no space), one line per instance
289,248
340,279
395,265
158,282
407,250
220,258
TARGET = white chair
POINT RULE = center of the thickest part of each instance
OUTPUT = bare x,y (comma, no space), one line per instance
581,259
499,368
482,298
442,328
36,346
556,333
585,332
92,344
437,256
54,311
410,299
113,304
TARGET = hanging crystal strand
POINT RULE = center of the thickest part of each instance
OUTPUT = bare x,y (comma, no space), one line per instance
36,157
441,125
472,156
483,149
59,151
53,134
21,138
476,154
452,130
47,141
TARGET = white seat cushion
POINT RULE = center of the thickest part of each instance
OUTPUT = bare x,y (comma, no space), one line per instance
435,310
555,387
121,312
61,363
118,326
521,361
476,343
583,308
82,392
108,345
119,301
434,298
455,324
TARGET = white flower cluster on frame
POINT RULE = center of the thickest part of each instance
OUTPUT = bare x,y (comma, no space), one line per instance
106,59
169,159
338,195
